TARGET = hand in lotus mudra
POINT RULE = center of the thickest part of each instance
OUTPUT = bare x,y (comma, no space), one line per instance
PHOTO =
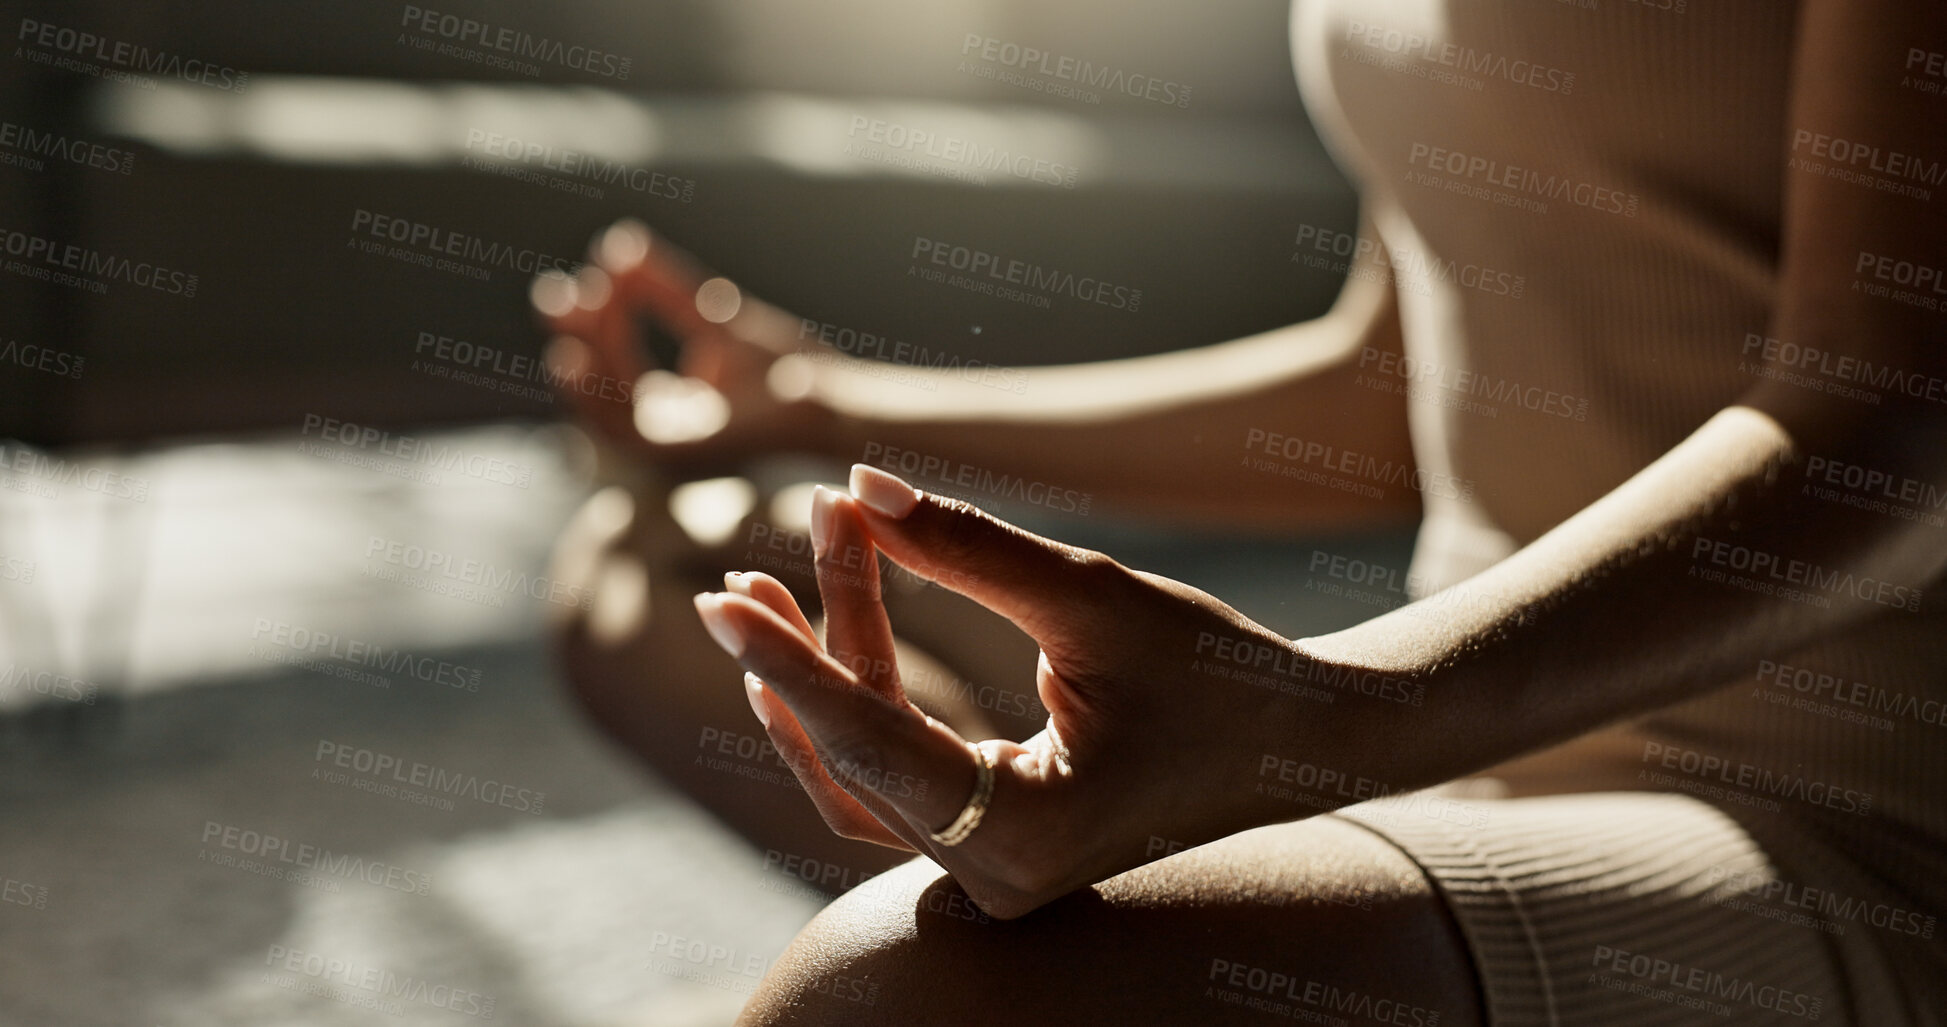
1142,741
722,402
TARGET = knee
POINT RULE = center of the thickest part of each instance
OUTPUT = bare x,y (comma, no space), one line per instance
590,554
1314,901
878,954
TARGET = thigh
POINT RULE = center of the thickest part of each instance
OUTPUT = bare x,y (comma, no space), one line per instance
1318,922
1653,908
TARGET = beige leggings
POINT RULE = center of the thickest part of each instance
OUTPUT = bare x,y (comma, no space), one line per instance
1648,908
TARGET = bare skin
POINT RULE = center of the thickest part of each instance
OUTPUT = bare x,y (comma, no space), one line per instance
643,668
1301,915
1595,621
1066,425
636,661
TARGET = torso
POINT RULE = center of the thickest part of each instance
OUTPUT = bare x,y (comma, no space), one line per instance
1638,205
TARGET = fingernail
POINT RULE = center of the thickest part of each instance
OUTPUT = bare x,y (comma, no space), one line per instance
738,582
623,245
881,492
717,623
823,501
754,689
592,288
552,293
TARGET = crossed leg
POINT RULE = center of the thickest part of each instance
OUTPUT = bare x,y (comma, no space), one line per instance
1319,922
1321,917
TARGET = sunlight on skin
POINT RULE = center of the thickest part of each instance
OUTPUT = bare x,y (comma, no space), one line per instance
672,408
592,289
718,300
552,293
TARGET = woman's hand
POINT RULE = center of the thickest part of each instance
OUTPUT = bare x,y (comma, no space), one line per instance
1164,703
723,400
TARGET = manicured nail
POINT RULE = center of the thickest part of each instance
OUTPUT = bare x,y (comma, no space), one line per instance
592,288
738,582
552,293
823,501
709,606
754,689
623,245
881,492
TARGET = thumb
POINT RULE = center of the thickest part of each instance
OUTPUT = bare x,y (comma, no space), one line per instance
1022,576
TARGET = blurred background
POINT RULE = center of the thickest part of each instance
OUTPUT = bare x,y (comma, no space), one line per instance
252,760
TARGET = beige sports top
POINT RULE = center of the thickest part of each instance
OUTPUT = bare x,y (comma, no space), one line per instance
1582,204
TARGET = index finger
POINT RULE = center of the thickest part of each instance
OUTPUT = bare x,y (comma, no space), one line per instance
655,275
652,275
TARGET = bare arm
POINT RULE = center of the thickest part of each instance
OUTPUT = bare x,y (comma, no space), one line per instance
1611,614
1192,417
1164,702
1172,434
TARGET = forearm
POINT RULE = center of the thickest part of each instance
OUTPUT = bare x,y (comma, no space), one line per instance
1634,603
1245,432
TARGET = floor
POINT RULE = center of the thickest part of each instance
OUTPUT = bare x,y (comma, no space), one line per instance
265,759
195,827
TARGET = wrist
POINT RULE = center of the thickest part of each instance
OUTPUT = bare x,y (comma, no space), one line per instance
1278,728
1338,732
